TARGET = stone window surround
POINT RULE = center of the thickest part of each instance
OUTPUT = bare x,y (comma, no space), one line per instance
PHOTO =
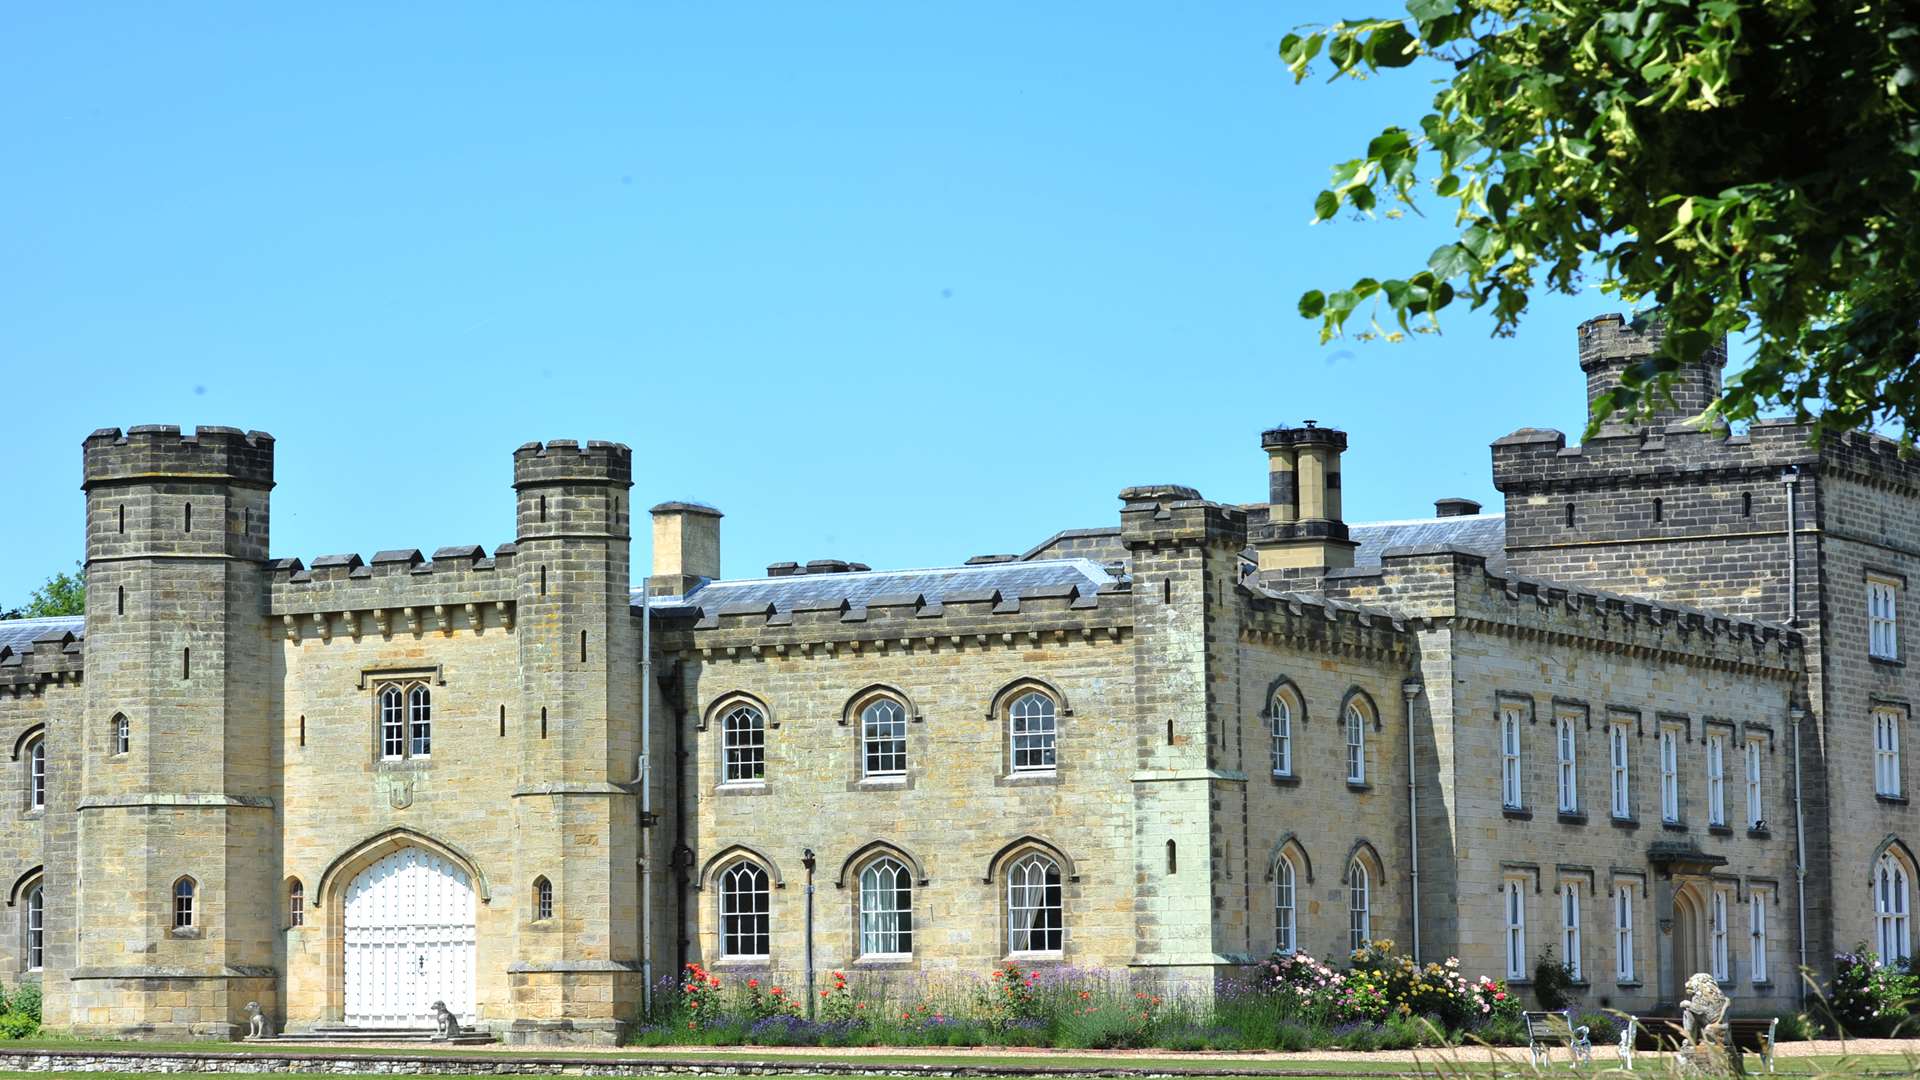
1902,711
1876,575
405,681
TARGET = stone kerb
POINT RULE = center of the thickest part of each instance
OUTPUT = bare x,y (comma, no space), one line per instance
160,450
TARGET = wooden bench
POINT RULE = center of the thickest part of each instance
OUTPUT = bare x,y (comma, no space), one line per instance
1546,1030
1665,1033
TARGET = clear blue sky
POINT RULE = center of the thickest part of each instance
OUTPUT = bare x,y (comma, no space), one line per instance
892,283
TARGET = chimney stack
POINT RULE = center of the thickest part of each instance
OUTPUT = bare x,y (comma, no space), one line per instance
1455,508
1304,530
686,547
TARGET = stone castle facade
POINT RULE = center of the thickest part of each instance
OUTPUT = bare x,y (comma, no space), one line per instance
1650,717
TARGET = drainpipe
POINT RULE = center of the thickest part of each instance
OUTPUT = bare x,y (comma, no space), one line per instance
645,775
1409,690
806,860
1790,478
1797,714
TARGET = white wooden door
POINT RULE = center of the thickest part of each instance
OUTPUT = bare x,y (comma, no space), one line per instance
410,941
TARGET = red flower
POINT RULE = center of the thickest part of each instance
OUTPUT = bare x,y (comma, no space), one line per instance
753,984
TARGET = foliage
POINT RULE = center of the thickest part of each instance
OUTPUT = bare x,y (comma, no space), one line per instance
775,1002
20,1012
1010,997
1552,981
1748,166
1868,997
1432,989
63,594
700,996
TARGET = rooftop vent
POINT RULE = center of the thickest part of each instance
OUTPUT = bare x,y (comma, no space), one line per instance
1455,507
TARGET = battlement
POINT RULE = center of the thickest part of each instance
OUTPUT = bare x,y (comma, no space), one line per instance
1538,460
460,587
54,656
1443,582
160,451
1610,345
565,461
1170,513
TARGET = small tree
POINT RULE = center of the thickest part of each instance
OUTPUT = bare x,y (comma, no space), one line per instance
63,594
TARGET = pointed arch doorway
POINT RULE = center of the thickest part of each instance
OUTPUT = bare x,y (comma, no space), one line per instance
409,940
1688,912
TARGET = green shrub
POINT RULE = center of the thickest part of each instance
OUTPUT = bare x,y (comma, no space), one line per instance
1552,981
18,1025
25,1000
1800,1027
1603,1028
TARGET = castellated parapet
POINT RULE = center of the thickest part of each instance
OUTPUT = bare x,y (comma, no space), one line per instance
1611,344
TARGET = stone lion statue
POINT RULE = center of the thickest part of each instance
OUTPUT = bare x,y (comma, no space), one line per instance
258,1026
1703,1015
446,1026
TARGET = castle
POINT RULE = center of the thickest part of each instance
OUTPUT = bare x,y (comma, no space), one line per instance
1652,716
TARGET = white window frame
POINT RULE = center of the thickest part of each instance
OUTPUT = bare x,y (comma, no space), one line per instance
1356,726
393,723
1512,788
1566,742
1719,957
743,744
1286,915
1757,927
1756,796
1669,774
886,909
1033,731
1716,778
1620,747
1623,932
35,952
1887,779
1282,713
1891,906
1029,930
186,896
419,722
122,734
883,739
1514,915
296,904
1883,618
746,911
1570,928
37,773
1359,905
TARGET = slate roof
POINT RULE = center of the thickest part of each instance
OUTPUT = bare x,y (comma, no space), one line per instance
859,587
1484,534
20,633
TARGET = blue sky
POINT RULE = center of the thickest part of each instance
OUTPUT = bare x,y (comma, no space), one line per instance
892,283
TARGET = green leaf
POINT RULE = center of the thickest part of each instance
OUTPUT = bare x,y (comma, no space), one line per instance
1325,205
1452,261
1391,46
1446,186
1312,304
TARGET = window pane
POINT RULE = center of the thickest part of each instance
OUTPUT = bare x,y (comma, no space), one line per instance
744,744
745,907
883,726
886,909
1033,731
420,720
1034,916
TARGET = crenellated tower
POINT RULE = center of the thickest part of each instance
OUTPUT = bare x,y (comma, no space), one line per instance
172,832
577,969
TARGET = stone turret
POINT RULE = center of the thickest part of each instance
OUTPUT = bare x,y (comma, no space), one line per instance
172,829
576,975
1304,530
1612,344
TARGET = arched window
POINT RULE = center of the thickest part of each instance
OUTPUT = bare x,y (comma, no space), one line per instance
886,909
1567,757
1516,921
420,721
1359,906
883,738
393,727
743,739
1356,721
1034,911
1512,795
36,928
1285,928
37,773
542,899
183,896
120,734
296,903
1033,724
745,911
1282,711
1890,909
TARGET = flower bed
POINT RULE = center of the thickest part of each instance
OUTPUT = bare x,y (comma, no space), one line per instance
1378,1000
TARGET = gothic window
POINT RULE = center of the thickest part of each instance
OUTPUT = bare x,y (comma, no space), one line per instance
1716,779
1356,725
183,897
405,721
119,734
1883,618
743,739
1359,905
1285,927
1570,928
746,908
1621,749
1756,813
542,899
296,903
36,951
883,738
1282,711
1516,923
1890,908
1886,752
886,909
1623,932
37,773
1719,957
1757,927
1512,795
1567,748
1033,721
1669,775
1035,911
